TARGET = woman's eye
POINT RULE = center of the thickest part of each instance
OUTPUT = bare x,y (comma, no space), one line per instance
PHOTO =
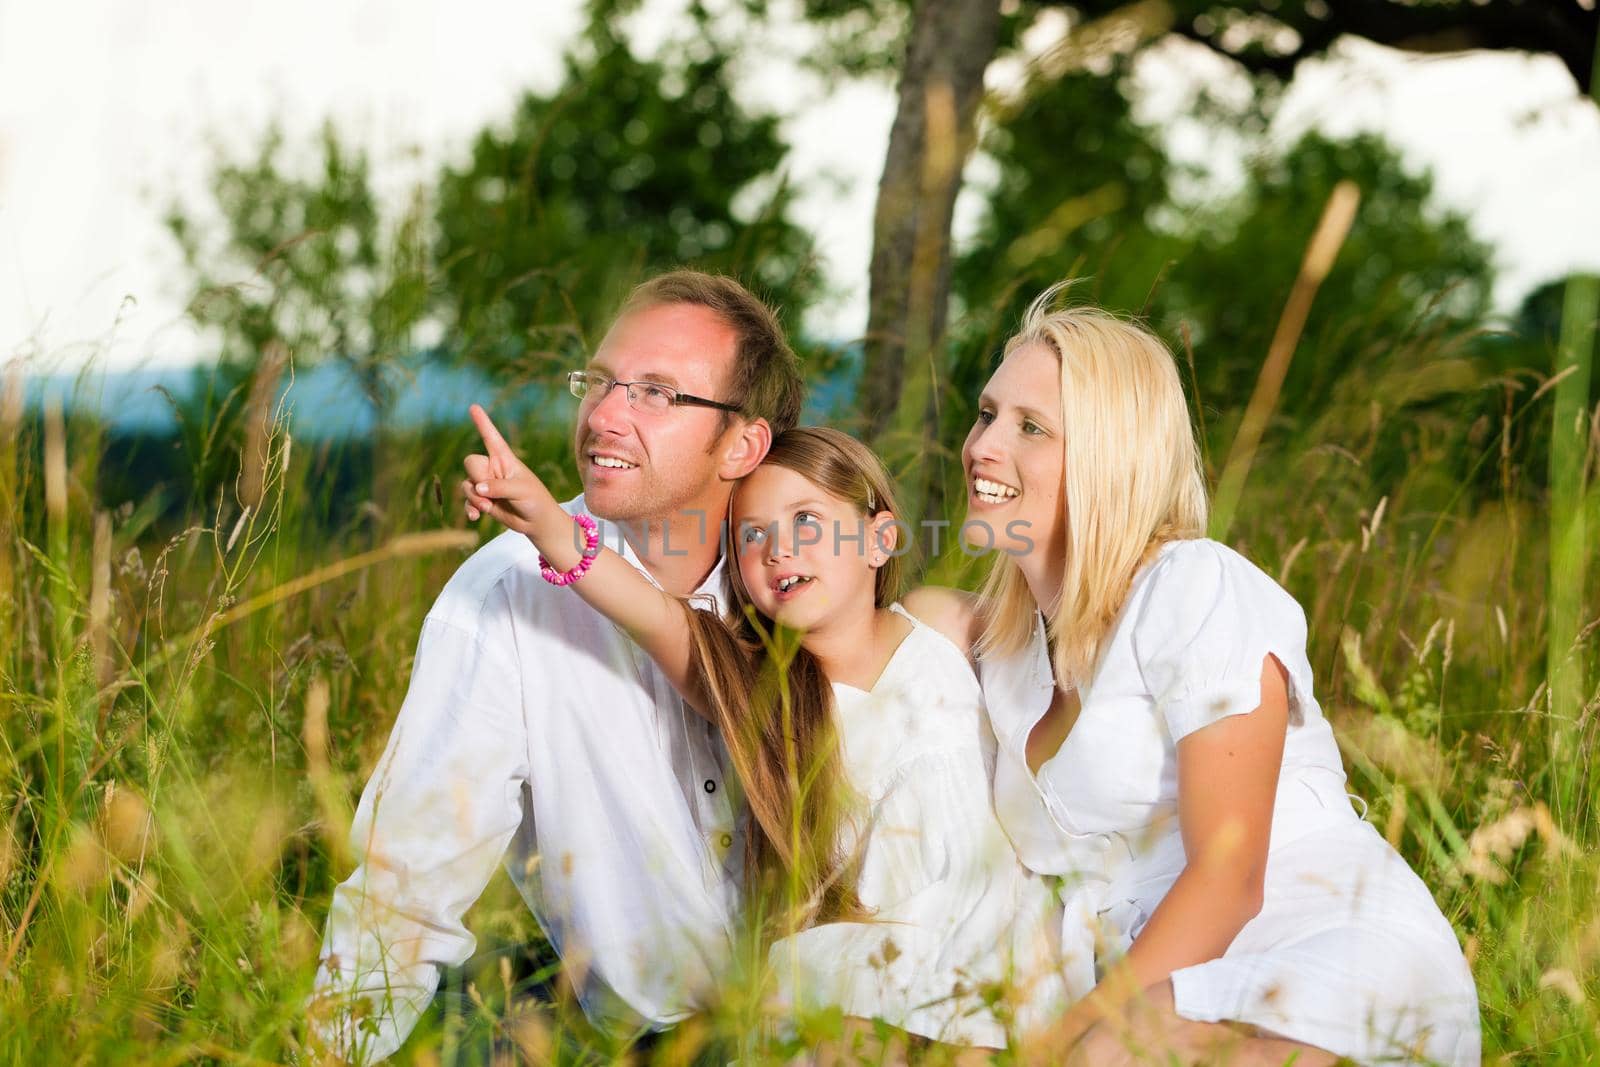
985,416
1031,427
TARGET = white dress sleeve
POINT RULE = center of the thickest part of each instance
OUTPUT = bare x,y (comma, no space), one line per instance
1207,622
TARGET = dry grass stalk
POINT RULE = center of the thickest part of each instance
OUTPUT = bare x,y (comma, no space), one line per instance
414,544
10,506
335,816
1116,33
1337,217
1491,847
100,610
259,421
55,467
400,547
62,599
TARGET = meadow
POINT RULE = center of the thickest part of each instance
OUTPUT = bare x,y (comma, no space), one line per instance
198,681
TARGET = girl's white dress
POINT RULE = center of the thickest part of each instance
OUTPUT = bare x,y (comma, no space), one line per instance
1349,951
957,919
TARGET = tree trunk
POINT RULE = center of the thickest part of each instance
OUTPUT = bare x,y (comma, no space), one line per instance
951,43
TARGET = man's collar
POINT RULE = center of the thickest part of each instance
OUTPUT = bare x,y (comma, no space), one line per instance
714,588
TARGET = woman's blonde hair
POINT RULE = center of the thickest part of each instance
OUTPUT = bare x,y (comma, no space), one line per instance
774,706
1132,480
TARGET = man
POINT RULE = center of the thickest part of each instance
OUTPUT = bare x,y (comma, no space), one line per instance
533,725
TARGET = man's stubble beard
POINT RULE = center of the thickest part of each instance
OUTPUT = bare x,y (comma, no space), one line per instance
653,514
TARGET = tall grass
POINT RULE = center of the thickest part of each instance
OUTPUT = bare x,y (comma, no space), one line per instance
191,709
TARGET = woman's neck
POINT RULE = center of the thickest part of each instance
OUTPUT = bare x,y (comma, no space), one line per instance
1043,573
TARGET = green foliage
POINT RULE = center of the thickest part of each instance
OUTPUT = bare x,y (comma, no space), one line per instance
633,166
303,256
1406,266
521,254
295,263
1078,193
182,848
1085,192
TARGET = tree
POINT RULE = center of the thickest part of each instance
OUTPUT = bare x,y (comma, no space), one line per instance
633,165
519,253
303,261
909,293
932,136
1085,192
1405,263
1079,186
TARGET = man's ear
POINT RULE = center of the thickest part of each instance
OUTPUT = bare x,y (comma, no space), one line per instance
746,450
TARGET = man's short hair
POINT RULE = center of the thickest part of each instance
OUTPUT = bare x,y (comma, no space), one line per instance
766,381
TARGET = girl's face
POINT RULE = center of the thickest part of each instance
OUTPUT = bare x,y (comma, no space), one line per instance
804,554
1014,458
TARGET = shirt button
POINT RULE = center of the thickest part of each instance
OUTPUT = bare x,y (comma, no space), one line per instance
711,786
727,840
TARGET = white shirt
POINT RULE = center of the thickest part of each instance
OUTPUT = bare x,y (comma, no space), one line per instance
955,915
533,730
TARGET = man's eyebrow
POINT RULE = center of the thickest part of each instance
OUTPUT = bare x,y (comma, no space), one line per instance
658,377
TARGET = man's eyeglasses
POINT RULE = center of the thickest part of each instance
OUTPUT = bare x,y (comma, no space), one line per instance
653,397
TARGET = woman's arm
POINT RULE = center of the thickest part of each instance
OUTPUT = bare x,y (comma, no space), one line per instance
1227,780
501,485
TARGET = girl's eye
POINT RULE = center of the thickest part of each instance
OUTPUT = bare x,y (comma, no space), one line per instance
753,535
985,416
807,518
1031,427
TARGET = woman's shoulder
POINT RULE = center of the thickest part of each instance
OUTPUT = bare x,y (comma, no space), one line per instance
1196,582
951,612
1201,563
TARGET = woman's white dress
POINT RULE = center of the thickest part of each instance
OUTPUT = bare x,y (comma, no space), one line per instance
1349,951
956,916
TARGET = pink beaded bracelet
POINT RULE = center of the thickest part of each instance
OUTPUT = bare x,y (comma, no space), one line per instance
591,549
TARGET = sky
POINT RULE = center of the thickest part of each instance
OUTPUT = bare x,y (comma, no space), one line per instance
109,109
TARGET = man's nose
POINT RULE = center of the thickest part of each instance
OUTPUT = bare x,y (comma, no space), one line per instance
609,414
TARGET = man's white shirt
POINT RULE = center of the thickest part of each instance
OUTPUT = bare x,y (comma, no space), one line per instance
535,731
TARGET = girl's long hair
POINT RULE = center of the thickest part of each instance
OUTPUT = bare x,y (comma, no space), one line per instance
774,708
1132,480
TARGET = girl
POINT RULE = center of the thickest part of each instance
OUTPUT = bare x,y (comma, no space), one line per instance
863,752
1160,746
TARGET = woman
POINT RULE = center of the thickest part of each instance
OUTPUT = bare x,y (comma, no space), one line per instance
1160,747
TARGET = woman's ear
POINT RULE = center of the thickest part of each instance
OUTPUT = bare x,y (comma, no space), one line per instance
745,451
885,538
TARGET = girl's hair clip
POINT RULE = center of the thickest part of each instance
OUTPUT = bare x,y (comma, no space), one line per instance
872,505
